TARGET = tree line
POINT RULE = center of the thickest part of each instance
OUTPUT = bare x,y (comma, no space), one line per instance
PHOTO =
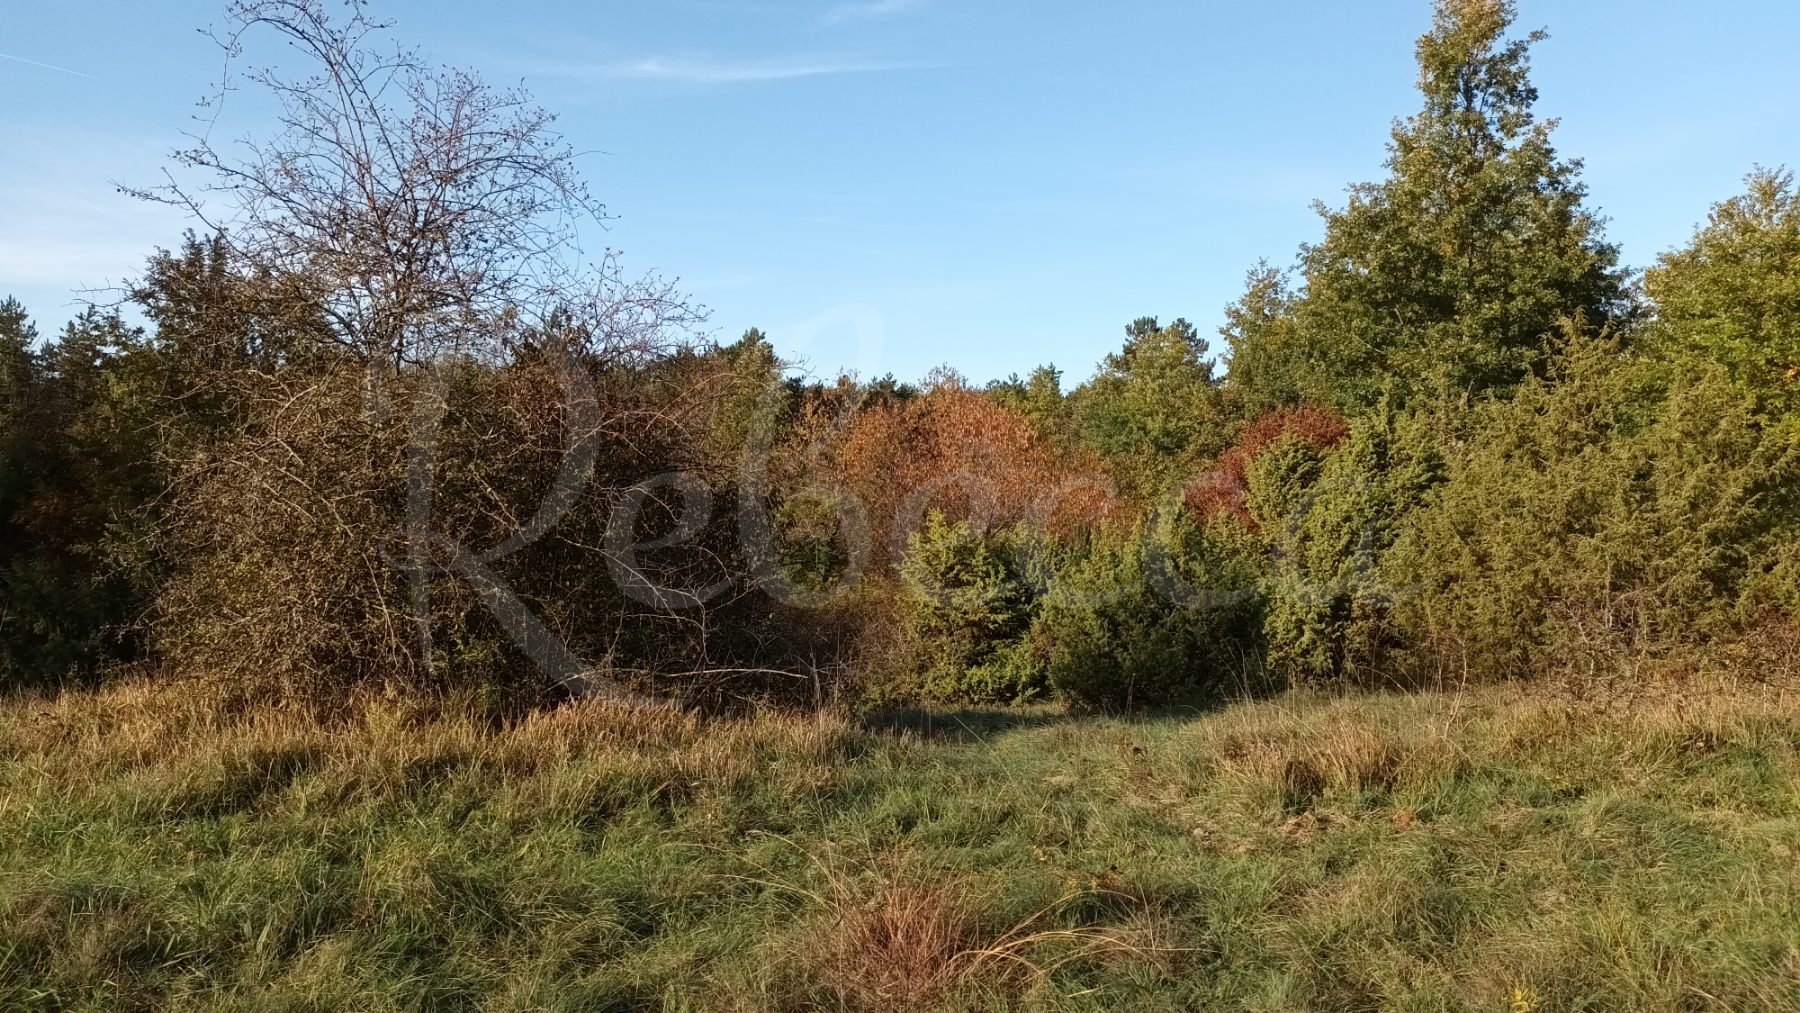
377,422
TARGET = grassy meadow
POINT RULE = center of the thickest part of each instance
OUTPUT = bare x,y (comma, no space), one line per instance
1483,851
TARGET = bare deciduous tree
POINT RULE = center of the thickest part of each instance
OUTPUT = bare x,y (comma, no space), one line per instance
432,225
432,213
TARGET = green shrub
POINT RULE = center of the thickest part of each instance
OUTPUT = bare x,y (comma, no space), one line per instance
1773,583
969,598
1612,511
1160,615
1326,518
814,550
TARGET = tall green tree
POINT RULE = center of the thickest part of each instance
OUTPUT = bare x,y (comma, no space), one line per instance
1154,403
1038,397
1733,294
1447,276
1267,367
73,473
19,384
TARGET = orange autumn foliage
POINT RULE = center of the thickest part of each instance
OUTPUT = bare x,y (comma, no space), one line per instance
955,450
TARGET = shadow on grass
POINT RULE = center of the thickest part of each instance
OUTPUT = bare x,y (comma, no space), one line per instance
970,725
963,725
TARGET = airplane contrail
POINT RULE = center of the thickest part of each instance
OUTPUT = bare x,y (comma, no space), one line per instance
46,66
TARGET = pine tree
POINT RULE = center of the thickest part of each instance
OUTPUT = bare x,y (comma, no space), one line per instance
1153,402
18,362
1266,368
1038,397
74,468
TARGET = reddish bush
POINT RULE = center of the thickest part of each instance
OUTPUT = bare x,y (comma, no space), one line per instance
955,450
1224,490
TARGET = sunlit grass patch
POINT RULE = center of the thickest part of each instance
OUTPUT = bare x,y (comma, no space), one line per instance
1497,850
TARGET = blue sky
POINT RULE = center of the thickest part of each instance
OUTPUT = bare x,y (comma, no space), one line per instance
889,185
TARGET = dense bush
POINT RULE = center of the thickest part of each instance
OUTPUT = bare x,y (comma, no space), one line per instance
1130,617
1615,510
1224,491
1157,615
970,597
301,554
1326,517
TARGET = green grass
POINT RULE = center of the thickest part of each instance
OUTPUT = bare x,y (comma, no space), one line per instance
1491,851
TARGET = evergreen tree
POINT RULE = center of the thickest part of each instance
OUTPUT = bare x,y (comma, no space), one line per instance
1733,295
74,470
19,385
1038,397
1266,368
1153,403
1448,275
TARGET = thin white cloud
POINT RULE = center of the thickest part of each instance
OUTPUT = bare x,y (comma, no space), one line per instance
703,70
866,9
46,66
